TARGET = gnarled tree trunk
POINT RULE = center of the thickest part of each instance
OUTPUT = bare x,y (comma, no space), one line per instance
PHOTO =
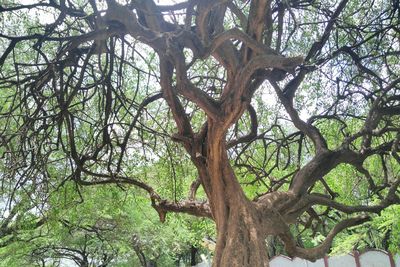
241,237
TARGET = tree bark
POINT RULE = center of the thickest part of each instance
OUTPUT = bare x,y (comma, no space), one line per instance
193,252
240,241
241,237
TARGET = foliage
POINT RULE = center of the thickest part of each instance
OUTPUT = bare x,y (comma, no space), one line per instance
382,233
108,226
276,119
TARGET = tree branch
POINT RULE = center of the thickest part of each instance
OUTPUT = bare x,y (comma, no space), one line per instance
308,129
253,129
391,198
196,208
237,34
318,252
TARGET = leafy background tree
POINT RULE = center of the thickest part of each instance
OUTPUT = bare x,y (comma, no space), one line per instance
107,227
278,120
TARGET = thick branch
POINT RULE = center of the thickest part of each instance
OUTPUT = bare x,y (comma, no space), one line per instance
237,34
209,23
122,14
239,14
391,198
196,208
318,252
181,119
191,92
257,13
320,165
162,206
253,130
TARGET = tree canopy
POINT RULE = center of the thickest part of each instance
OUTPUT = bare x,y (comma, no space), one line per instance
272,118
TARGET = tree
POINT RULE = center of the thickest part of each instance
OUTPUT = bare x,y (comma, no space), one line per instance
106,228
287,98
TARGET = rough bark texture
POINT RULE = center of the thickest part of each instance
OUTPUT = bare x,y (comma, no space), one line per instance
241,238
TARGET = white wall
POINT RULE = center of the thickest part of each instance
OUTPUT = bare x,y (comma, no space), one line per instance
371,258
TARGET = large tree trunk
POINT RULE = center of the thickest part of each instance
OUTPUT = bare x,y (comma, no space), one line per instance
241,236
241,241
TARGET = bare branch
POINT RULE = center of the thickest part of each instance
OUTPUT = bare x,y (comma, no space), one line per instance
253,130
318,252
